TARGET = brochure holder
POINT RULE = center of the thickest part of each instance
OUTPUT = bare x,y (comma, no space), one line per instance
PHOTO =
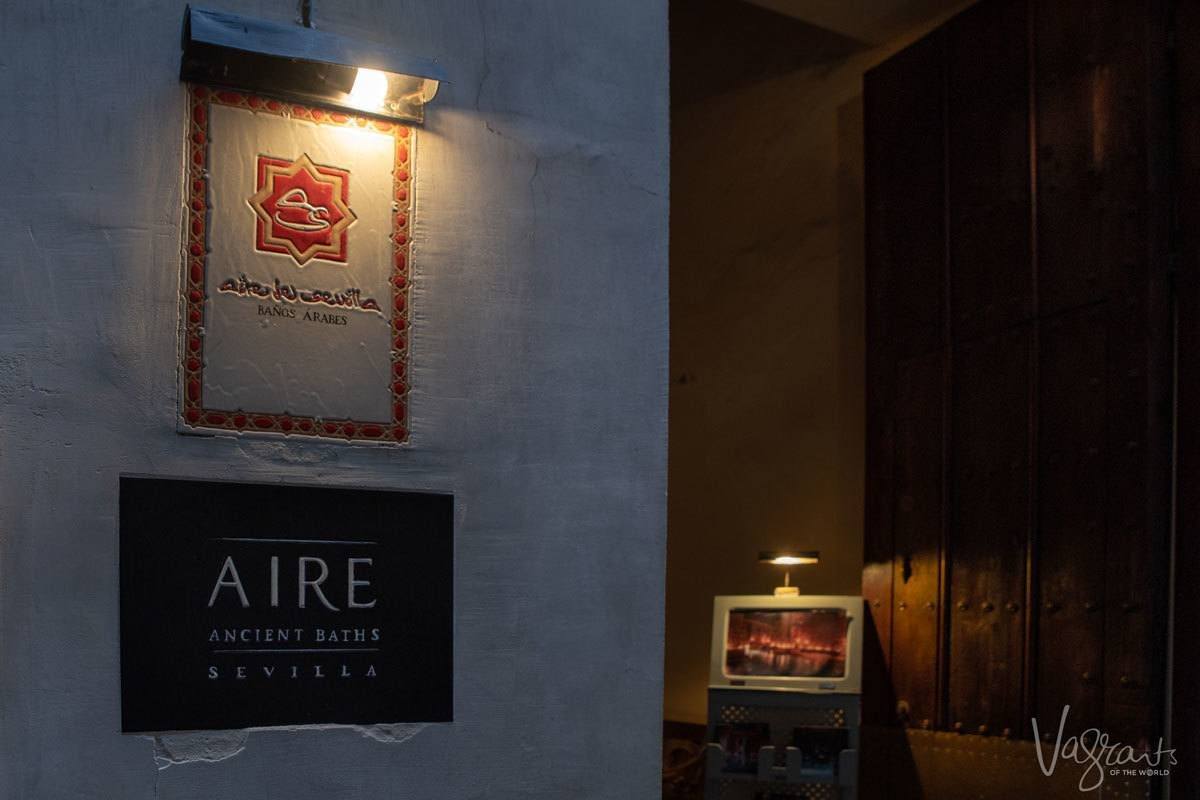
778,737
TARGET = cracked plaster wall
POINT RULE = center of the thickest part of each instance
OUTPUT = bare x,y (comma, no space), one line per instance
539,398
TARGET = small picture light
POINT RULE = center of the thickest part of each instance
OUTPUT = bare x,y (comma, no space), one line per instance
788,559
292,62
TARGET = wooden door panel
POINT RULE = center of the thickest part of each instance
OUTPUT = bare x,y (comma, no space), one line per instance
1018,423
991,516
1091,150
1133,653
904,100
878,704
905,267
918,530
1072,486
1185,699
988,157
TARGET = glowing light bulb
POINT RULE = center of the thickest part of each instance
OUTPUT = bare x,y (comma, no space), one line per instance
370,88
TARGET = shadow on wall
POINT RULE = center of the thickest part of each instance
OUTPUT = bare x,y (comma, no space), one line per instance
767,326
766,337
720,46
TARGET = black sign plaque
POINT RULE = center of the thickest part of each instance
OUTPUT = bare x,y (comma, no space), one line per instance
255,605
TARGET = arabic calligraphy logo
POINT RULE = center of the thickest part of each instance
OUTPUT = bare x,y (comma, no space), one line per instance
303,209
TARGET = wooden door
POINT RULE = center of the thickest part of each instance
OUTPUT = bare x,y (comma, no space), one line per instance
1019,370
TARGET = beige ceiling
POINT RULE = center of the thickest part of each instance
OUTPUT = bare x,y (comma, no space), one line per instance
869,21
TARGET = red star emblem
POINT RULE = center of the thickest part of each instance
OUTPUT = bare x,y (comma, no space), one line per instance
303,209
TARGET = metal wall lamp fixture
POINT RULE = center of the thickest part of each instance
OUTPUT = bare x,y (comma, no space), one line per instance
293,62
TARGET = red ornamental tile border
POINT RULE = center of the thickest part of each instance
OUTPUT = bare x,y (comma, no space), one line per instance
195,414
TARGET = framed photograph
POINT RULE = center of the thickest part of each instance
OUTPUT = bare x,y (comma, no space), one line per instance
789,643
295,285
806,643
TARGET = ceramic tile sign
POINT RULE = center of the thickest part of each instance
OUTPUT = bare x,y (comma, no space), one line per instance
295,279
256,605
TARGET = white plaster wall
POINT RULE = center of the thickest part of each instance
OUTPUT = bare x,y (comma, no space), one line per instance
539,396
